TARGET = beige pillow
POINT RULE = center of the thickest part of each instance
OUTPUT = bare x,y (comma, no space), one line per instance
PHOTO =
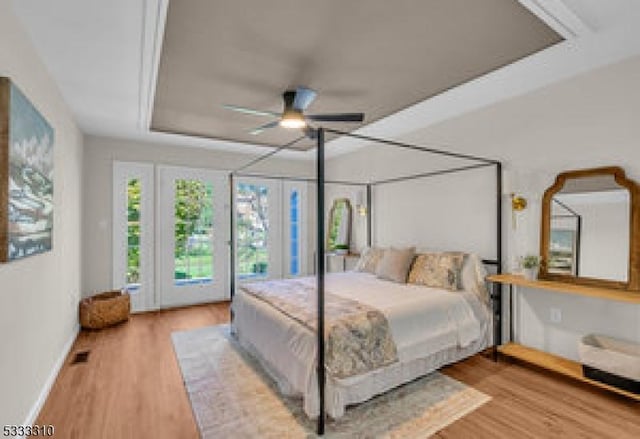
437,270
395,264
369,259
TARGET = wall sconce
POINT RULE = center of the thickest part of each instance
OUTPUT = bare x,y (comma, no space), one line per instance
518,204
361,206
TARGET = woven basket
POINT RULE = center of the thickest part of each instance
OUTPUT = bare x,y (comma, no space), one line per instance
104,310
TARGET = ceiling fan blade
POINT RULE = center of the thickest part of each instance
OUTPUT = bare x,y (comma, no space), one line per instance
304,97
337,117
311,133
251,111
264,127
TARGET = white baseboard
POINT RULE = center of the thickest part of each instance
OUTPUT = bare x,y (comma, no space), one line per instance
46,388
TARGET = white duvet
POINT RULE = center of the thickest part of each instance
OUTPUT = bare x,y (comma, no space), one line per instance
422,320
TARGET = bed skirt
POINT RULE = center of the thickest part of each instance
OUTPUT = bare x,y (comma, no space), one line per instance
297,377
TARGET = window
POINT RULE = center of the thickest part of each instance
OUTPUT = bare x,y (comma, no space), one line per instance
294,233
193,232
133,235
252,223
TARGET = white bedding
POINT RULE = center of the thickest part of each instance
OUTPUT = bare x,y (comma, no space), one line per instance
424,322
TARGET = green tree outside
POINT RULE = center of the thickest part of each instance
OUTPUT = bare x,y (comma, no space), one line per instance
193,227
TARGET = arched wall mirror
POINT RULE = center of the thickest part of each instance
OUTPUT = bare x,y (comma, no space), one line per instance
590,229
339,236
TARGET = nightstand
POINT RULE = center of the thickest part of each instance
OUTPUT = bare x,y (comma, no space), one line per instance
341,262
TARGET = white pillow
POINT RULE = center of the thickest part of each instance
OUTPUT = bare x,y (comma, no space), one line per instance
473,276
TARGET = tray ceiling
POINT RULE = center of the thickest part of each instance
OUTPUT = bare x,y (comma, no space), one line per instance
374,56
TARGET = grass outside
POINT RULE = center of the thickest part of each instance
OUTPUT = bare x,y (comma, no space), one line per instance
194,267
250,261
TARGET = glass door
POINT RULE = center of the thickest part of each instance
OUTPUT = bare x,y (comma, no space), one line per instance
258,229
193,235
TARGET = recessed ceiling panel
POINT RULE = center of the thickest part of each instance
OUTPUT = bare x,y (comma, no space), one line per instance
371,56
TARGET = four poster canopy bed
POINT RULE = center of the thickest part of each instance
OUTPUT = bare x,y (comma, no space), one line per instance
342,338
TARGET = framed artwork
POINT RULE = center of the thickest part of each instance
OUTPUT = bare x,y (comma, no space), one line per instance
26,176
563,252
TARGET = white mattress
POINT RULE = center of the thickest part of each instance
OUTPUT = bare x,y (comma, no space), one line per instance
430,327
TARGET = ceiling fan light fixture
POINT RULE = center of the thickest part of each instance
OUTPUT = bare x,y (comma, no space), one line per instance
293,117
293,120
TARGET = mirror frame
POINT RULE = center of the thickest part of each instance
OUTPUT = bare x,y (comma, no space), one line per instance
633,276
350,220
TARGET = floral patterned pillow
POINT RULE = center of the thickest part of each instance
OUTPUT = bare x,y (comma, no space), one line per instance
369,259
437,270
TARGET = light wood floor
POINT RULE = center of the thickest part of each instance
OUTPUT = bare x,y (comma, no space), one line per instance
131,387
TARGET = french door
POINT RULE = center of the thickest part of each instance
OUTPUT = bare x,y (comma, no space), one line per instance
193,230
170,235
258,229
270,219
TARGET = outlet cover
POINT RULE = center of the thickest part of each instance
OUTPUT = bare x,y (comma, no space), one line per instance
556,315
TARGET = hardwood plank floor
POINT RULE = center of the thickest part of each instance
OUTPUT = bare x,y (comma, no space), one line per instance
529,402
131,387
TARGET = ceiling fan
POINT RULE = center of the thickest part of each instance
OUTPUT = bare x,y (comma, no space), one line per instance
292,117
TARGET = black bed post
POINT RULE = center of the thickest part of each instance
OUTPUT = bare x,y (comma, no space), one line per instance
497,293
499,214
232,247
320,262
578,243
369,215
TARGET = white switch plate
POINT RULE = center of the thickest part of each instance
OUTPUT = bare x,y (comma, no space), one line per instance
555,315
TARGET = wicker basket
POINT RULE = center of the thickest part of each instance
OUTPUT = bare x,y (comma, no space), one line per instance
104,310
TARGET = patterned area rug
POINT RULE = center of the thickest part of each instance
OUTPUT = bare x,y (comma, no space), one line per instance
232,396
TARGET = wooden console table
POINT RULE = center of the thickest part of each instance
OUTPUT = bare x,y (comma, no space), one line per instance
547,360
561,287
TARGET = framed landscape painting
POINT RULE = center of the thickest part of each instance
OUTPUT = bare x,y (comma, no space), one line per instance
26,176
563,252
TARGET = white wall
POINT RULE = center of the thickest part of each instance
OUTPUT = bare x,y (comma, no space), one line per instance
604,247
416,212
604,240
39,295
587,121
100,153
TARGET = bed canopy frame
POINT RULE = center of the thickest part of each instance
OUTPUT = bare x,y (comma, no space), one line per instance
319,135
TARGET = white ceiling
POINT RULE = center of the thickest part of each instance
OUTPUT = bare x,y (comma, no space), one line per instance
601,14
103,55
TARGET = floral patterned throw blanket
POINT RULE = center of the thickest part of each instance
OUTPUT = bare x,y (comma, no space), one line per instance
358,337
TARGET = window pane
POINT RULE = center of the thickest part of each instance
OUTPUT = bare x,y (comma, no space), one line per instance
294,219
133,235
193,252
252,222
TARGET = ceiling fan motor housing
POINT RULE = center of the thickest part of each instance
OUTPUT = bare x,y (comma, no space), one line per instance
289,97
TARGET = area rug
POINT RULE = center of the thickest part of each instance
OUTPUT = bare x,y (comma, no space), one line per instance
232,396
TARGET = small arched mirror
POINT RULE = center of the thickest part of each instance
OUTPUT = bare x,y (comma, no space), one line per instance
590,229
339,236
